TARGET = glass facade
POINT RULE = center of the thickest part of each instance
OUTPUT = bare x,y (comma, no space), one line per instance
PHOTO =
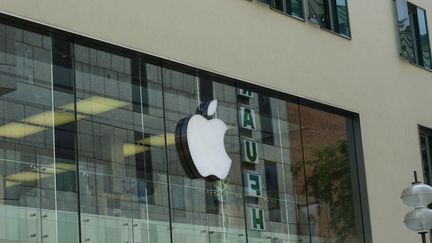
88,153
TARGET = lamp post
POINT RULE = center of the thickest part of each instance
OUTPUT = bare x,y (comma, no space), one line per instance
418,196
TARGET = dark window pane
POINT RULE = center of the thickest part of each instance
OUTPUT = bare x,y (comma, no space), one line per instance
297,8
291,7
426,153
424,46
278,4
316,11
271,179
342,17
404,23
266,119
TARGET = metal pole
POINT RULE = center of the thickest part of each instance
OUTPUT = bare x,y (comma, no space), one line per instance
415,178
423,235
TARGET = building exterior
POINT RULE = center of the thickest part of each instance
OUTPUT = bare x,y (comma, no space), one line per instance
326,104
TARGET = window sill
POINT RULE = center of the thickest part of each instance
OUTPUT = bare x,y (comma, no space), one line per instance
335,33
287,14
424,68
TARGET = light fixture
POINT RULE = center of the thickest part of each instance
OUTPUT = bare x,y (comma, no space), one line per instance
418,196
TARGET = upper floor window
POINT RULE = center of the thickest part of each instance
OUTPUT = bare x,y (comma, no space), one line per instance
413,32
331,15
291,7
426,153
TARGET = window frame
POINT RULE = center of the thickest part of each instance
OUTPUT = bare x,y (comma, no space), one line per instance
329,21
426,168
272,4
417,57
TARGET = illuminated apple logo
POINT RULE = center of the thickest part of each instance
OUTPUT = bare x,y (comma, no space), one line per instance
200,144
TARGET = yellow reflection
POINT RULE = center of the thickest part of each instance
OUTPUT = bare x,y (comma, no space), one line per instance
26,176
65,167
29,176
147,143
170,138
231,127
158,140
92,106
59,168
95,105
18,130
11,183
46,118
131,149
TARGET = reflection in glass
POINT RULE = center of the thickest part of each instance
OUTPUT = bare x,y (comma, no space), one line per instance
424,47
342,17
406,41
328,177
27,164
203,211
331,15
120,148
87,151
274,213
291,7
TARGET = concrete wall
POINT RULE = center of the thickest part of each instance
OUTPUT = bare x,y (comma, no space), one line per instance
247,40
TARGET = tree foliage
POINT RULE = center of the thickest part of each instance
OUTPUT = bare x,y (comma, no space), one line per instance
329,181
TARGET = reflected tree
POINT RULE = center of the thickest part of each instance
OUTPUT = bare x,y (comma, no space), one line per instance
329,181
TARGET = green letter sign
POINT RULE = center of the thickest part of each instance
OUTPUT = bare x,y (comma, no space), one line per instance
250,151
256,218
247,118
253,184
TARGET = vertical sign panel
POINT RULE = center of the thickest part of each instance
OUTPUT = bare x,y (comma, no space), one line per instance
247,118
253,184
256,218
250,151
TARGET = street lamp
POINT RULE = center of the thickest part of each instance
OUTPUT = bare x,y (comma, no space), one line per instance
418,196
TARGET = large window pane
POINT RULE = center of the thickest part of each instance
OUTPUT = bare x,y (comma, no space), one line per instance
405,35
65,142
329,177
424,46
274,214
27,164
120,148
342,17
204,211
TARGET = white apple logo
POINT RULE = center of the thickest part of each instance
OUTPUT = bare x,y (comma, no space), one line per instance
200,143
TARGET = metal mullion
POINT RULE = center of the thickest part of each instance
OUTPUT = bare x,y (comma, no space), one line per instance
304,170
166,150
